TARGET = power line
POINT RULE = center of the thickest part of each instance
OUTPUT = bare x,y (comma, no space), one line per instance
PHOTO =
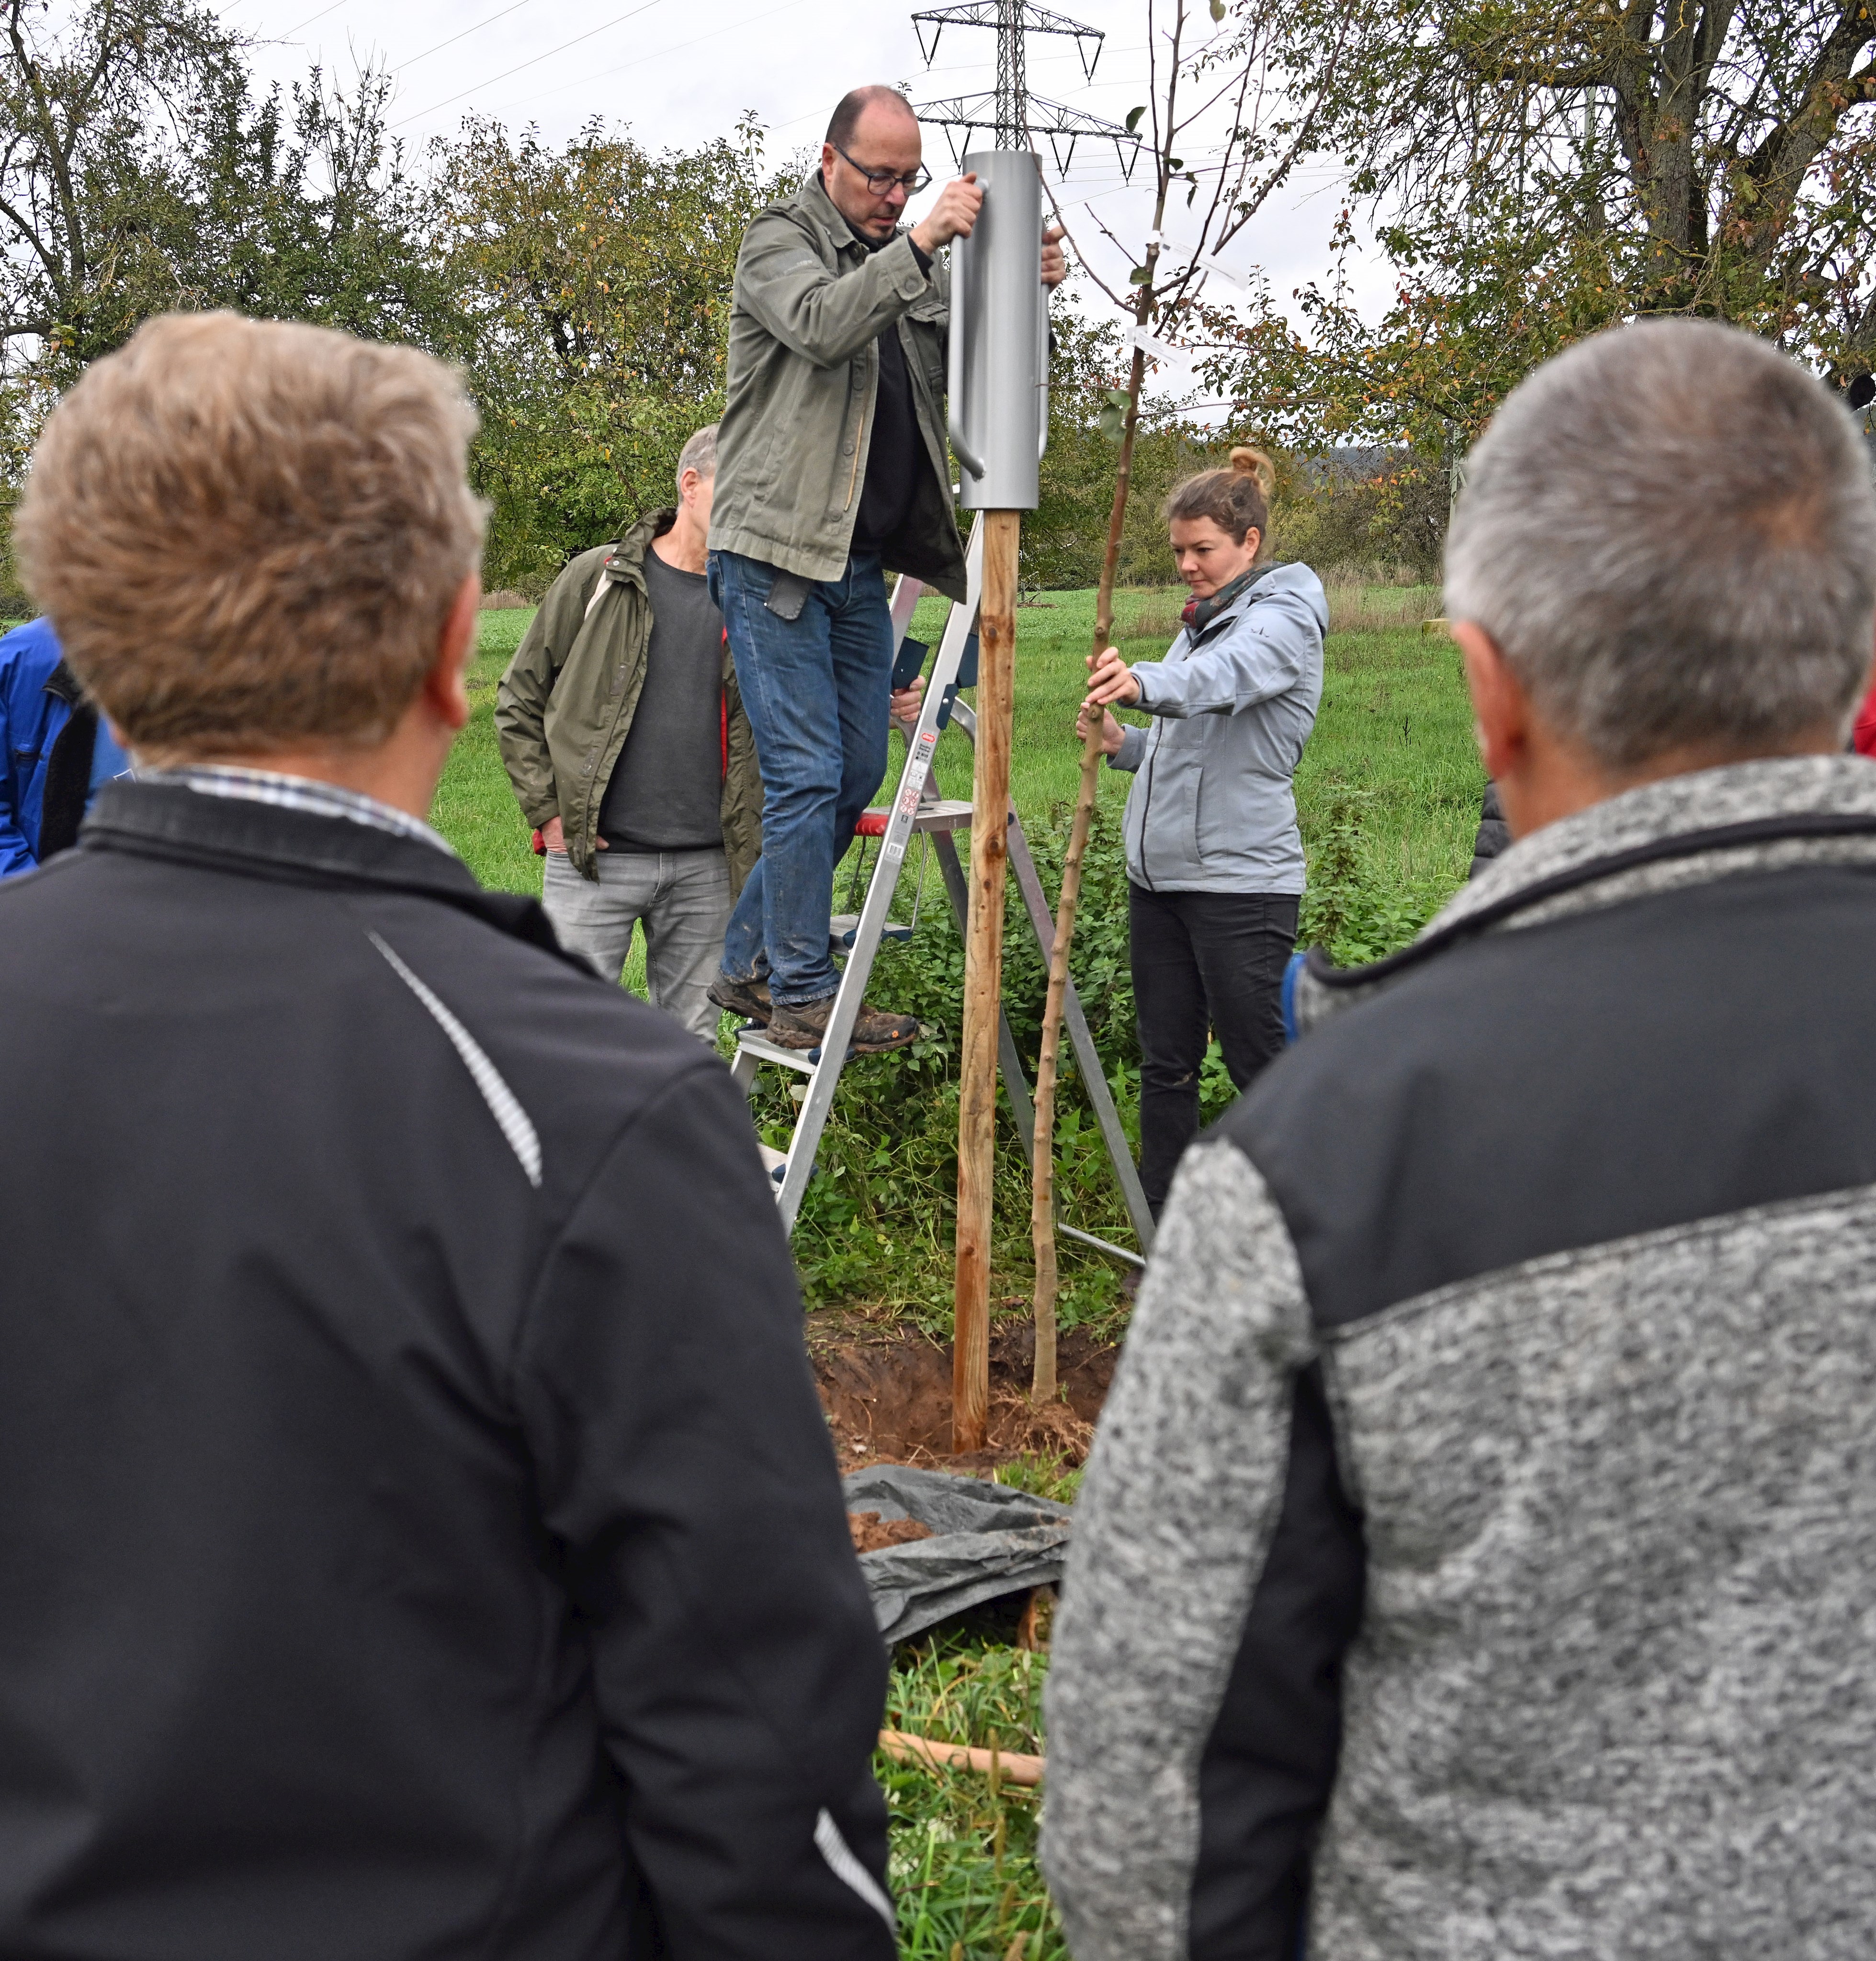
311,17
644,6
638,61
464,36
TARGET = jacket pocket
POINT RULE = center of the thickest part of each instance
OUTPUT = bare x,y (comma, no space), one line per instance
1133,818
1235,819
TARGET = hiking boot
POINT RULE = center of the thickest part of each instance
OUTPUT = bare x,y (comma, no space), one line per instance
805,1026
749,998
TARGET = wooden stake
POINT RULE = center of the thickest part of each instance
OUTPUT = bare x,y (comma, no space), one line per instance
1010,1766
1042,1155
983,979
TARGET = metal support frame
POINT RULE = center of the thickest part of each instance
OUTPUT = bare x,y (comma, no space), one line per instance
1014,117
1042,925
913,808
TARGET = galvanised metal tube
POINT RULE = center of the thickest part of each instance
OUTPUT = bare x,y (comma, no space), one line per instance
999,370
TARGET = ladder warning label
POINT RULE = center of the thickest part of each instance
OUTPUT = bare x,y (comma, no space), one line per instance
918,767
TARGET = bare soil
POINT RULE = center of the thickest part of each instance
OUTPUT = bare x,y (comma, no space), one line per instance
887,1395
873,1534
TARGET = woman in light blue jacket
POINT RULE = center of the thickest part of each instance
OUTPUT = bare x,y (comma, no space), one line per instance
1213,857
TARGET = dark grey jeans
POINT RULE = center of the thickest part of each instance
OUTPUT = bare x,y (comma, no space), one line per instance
1204,963
683,898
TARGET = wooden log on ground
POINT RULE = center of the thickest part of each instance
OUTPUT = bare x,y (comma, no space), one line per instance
1010,1766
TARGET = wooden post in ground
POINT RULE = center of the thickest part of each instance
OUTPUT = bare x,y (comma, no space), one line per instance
983,979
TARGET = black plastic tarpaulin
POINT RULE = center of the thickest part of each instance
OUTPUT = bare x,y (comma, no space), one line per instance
987,1539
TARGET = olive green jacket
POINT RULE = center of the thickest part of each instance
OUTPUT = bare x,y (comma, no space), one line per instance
565,707
809,302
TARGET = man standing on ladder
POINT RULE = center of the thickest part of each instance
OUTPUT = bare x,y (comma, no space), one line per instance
832,466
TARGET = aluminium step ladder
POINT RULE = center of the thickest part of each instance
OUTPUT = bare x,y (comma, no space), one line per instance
917,810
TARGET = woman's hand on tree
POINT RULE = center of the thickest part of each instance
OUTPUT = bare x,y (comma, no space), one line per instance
1108,731
1110,679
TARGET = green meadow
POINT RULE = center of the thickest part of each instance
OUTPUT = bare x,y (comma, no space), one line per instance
1388,795
1395,728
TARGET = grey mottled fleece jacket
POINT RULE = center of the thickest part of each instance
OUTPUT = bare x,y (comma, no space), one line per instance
1478,1556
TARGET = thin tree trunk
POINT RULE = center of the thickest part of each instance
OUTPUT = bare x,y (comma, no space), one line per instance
1042,1383
1042,1156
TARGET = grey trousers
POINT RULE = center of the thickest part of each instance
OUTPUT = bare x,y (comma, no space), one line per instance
683,897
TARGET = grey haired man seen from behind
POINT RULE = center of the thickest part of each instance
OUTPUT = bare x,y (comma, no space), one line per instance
1477,1559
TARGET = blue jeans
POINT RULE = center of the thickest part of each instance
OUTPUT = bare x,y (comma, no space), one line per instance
815,689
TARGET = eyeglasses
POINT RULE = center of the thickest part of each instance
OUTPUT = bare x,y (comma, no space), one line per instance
880,182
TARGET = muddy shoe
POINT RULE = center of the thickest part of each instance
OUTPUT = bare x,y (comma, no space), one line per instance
749,998
874,1033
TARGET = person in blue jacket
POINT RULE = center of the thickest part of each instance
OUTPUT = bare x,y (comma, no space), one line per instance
55,750
1214,860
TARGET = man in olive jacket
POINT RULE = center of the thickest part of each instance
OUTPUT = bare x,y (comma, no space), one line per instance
623,730
834,468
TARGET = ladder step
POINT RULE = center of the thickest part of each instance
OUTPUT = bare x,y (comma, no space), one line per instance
942,814
843,926
752,1041
776,1164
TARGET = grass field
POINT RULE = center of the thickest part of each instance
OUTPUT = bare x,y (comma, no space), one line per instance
1394,724
1388,794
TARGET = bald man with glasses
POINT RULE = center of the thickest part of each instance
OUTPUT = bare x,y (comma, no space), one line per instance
832,470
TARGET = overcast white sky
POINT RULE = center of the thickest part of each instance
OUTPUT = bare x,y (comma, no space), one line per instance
680,73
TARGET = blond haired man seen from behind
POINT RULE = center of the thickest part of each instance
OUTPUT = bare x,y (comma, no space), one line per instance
421,1536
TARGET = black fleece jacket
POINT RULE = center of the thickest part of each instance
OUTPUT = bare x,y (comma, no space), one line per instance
419,1536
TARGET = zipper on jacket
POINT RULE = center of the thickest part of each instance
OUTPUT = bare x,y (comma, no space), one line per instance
1153,750
859,431
1146,805
595,792
1146,808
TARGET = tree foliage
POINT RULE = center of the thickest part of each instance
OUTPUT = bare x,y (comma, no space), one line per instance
594,283
1540,170
1062,540
86,116
138,174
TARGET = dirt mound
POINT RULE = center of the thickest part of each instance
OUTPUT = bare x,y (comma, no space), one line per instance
873,1534
889,1399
